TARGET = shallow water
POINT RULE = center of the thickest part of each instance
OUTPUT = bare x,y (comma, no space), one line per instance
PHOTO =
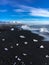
45,35
42,30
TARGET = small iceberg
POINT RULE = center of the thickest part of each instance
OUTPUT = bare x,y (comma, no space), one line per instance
25,27
43,30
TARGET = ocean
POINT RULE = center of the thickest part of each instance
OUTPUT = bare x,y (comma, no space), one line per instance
42,30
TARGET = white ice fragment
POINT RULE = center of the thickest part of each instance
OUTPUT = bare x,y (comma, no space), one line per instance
14,22
12,29
3,39
24,54
25,27
47,56
17,44
43,30
16,56
35,40
41,46
18,59
6,49
25,42
21,36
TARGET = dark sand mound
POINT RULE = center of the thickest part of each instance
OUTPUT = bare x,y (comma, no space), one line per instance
19,47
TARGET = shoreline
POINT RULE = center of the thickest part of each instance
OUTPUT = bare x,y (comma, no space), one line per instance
17,46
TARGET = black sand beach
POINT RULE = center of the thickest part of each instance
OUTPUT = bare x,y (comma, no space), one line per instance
21,47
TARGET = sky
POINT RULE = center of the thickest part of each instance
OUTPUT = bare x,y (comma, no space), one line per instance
28,11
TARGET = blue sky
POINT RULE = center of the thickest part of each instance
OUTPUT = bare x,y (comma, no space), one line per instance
29,11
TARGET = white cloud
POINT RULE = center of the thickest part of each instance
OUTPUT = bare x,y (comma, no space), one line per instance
4,10
25,8
32,11
18,10
39,12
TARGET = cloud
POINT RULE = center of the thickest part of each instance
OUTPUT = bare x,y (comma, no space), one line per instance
18,10
32,11
4,10
24,7
39,12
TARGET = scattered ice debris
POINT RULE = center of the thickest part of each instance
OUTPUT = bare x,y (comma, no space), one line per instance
18,59
17,44
3,39
21,36
24,54
25,27
25,42
47,56
14,22
14,63
41,46
35,40
16,56
12,29
43,30
6,49
11,46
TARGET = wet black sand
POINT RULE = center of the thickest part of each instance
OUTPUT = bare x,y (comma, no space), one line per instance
21,47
